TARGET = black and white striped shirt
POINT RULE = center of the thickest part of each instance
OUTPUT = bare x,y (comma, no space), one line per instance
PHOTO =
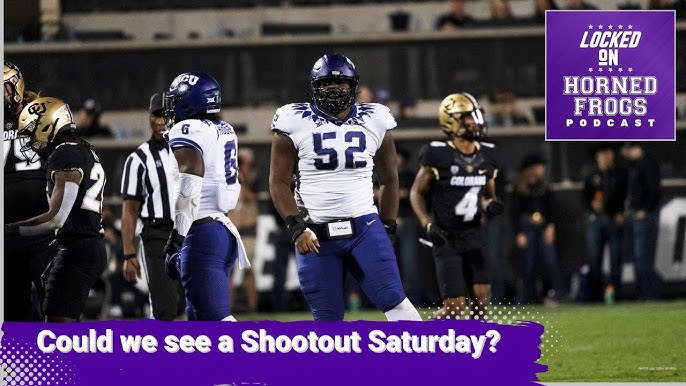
148,178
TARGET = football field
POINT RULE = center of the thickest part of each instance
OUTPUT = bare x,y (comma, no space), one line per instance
626,342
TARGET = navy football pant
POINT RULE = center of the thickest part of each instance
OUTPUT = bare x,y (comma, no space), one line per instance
207,257
368,256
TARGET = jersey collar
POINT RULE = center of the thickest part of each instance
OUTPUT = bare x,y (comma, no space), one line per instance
332,119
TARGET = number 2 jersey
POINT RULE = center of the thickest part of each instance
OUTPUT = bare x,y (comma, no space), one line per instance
460,182
85,218
218,144
25,182
335,158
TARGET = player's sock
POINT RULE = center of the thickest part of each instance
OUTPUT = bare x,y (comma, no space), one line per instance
403,311
229,318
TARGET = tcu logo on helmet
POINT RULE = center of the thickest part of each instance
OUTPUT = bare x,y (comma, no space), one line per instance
187,78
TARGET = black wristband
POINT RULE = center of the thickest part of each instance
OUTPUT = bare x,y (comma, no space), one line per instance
130,256
391,226
174,239
296,225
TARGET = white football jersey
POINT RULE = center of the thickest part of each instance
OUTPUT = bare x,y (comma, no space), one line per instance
218,144
336,158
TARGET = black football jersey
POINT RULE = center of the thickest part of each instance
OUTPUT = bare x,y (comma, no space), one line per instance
25,182
85,217
460,182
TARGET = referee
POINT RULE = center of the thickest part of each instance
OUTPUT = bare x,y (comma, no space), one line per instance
147,190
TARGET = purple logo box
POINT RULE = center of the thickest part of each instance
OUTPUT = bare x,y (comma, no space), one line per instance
610,75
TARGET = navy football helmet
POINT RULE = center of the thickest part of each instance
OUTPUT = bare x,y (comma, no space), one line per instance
190,95
334,67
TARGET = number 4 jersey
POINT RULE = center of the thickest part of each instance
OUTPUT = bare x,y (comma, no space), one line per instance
460,181
335,158
218,144
85,217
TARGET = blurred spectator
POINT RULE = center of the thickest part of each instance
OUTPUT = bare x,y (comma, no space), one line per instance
579,5
629,5
493,231
603,200
500,10
532,214
244,216
364,94
678,5
408,108
456,18
382,96
504,111
88,121
406,237
540,6
644,213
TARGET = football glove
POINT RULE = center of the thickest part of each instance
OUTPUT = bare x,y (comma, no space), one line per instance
437,235
172,258
391,227
494,208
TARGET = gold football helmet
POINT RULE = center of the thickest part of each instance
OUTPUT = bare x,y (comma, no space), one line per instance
13,82
42,119
452,112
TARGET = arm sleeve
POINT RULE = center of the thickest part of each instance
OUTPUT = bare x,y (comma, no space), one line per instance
133,178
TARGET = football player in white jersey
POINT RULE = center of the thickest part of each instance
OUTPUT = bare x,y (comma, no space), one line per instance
204,244
333,146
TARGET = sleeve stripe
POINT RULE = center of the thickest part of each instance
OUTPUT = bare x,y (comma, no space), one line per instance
176,143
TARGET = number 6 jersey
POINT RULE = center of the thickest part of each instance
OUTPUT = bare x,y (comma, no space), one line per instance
460,179
218,144
335,158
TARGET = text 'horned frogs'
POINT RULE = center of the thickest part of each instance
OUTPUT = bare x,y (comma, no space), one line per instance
336,158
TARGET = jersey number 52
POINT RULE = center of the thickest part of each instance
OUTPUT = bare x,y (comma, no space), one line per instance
332,163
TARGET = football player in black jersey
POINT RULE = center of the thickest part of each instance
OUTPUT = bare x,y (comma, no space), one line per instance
25,184
460,173
75,186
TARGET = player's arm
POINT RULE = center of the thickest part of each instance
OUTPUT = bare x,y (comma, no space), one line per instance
281,166
420,187
129,218
387,175
191,172
61,203
491,204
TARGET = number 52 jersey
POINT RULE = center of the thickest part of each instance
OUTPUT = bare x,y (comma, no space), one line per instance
335,158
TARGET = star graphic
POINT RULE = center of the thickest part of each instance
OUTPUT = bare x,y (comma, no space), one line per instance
590,69
620,26
600,70
631,26
620,69
590,26
631,69
609,69
609,26
600,26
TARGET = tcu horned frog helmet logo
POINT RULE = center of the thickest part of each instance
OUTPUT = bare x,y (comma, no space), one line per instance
42,119
453,111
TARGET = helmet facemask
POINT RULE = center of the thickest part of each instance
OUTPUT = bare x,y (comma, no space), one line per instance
460,115
13,83
334,97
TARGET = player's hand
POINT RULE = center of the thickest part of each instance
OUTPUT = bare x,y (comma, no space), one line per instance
391,227
437,235
172,261
522,241
307,242
11,231
494,208
132,270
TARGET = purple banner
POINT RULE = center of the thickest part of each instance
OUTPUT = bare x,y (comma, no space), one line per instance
610,75
150,352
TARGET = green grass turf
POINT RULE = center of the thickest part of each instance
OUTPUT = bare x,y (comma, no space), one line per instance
627,342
